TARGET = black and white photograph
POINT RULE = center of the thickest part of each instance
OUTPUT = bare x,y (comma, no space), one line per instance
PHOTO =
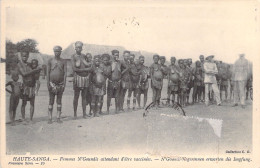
125,83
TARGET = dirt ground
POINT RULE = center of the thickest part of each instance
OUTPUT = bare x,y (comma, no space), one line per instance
164,131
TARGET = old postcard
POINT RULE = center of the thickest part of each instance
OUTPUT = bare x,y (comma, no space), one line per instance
130,84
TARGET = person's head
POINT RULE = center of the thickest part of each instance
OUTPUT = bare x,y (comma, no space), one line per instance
126,55
185,62
228,66
202,58
220,62
78,47
115,54
132,58
162,60
189,61
89,57
34,63
106,59
210,58
173,60
24,56
156,58
15,76
181,63
141,59
241,56
96,60
57,51
198,64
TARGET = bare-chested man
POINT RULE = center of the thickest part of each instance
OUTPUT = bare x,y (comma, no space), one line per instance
114,80
135,78
28,83
143,83
56,82
156,80
173,81
125,81
164,71
81,70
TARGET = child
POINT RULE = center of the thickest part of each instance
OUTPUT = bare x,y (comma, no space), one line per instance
15,96
184,79
34,65
97,85
198,82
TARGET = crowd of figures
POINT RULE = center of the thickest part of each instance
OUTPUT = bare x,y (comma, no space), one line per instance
107,75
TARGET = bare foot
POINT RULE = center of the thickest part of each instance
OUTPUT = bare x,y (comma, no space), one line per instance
49,121
59,121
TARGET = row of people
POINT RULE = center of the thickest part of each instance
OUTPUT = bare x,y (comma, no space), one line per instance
107,75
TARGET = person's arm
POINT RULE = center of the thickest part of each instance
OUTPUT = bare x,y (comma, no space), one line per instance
24,73
125,70
8,83
65,74
38,84
75,69
48,73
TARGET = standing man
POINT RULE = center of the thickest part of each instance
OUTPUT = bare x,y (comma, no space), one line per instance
143,83
29,82
210,81
188,63
203,76
156,80
125,81
173,81
164,71
198,81
114,81
56,81
240,74
81,81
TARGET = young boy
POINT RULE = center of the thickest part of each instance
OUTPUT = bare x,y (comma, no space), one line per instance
34,65
97,85
56,82
173,81
15,96
156,80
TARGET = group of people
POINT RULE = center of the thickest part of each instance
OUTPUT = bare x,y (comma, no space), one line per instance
107,75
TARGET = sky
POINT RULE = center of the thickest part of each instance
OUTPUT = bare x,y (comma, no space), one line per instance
183,29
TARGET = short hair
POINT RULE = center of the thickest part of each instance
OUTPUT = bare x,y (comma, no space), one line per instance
114,51
97,56
180,60
141,56
126,51
35,61
88,54
106,56
162,57
57,48
156,55
173,58
202,56
132,55
78,43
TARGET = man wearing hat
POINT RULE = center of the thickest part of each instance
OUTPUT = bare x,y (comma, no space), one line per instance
81,81
240,77
29,82
56,81
210,81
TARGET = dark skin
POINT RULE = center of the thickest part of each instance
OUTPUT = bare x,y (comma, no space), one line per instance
198,77
83,71
172,66
27,75
56,76
115,76
146,72
34,65
183,91
126,69
15,97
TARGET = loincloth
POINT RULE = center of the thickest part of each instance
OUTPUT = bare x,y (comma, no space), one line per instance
80,82
96,90
113,88
28,93
56,88
126,84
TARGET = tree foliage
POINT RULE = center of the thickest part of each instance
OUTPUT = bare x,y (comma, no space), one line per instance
27,45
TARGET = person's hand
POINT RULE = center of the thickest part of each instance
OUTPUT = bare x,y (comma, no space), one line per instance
36,93
63,88
49,87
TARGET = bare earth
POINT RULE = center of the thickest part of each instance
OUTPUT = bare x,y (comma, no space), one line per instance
164,131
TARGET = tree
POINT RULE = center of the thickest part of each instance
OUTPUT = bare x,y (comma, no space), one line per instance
27,45
11,56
